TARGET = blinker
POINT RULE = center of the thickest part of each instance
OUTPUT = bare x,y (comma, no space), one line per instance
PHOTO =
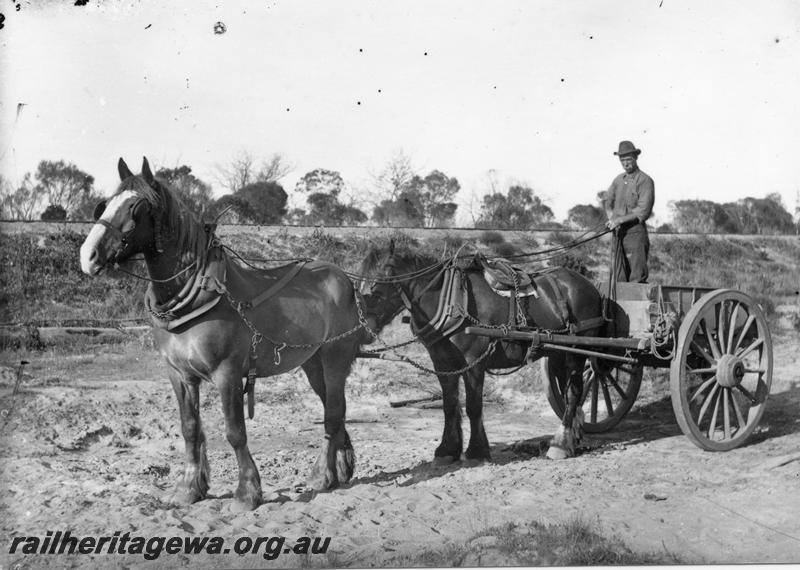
99,209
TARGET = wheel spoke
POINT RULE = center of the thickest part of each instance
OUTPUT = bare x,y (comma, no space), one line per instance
704,407
732,328
747,394
726,412
755,370
711,343
703,388
702,352
607,398
739,416
700,370
713,425
616,386
747,324
593,412
720,328
756,343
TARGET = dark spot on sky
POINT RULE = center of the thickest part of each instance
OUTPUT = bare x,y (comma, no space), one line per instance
219,28
360,50
777,40
591,37
562,80
358,102
426,53
287,109
147,27
379,91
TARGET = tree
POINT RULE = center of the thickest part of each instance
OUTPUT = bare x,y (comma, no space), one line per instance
324,188
320,180
748,215
63,184
762,215
54,213
238,209
394,177
84,209
195,193
586,216
429,199
22,203
520,209
243,170
266,201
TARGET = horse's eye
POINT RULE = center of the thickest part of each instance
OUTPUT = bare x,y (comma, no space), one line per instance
99,209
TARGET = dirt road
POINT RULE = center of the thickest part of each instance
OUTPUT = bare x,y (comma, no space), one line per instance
93,444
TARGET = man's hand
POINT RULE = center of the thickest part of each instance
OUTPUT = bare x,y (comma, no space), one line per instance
613,223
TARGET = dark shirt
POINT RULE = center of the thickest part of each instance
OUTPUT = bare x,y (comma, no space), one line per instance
631,194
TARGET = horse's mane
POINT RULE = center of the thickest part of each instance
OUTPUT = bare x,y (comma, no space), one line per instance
407,260
179,223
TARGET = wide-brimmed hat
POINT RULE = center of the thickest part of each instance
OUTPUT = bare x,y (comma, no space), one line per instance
627,147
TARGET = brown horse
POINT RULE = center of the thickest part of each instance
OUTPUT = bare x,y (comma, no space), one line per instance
567,301
218,321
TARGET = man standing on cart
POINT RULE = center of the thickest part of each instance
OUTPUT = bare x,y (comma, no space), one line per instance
628,204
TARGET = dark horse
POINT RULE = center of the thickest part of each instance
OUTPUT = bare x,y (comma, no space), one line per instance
218,321
414,281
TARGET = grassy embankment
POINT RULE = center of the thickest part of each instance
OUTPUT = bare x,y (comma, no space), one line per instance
41,282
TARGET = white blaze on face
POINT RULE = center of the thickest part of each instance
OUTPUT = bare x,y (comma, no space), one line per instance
118,214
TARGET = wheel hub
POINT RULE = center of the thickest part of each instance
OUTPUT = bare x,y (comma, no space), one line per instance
730,370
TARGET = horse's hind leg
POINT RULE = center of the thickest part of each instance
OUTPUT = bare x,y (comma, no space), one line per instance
193,485
327,371
570,431
229,382
478,442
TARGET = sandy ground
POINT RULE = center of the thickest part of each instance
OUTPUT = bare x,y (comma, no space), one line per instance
93,444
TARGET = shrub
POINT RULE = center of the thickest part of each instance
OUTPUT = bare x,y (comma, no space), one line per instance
491,238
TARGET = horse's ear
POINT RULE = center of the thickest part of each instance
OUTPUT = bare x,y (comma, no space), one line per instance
147,173
391,246
124,171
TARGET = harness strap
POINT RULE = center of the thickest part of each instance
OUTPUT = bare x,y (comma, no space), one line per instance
561,302
279,285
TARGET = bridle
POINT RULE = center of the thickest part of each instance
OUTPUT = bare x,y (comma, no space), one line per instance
396,280
124,237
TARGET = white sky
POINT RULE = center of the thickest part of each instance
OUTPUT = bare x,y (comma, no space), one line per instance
539,91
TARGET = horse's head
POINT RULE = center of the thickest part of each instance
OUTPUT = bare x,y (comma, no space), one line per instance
384,271
130,222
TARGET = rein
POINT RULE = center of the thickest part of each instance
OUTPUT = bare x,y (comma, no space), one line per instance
118,267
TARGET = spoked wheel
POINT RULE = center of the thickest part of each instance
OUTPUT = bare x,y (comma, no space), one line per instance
722,371
609,390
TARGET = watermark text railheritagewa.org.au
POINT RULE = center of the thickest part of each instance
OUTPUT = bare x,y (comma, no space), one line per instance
269,547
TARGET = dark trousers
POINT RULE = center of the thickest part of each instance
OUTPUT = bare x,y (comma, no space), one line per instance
632,246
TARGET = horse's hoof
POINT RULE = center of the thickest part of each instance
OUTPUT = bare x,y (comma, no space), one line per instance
182,497
474,462
443,461
246,504
345,464
321,479
556,452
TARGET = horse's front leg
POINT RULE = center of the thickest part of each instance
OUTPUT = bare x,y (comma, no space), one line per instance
327,371
570,432
193,485
228,380
449,449
478,448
